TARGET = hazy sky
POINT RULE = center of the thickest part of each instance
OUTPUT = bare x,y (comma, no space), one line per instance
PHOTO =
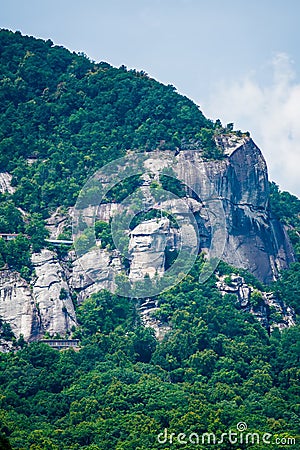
238,59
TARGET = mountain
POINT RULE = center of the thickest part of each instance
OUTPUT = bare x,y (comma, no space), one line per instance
204,355
55,103
253,240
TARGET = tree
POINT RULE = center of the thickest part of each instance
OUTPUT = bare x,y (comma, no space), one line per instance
37,232
4,443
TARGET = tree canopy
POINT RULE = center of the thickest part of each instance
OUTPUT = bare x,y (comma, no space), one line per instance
63,116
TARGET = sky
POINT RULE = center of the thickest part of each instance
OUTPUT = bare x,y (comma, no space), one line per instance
239,60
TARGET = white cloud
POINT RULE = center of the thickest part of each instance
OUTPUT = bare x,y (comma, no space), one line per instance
271,112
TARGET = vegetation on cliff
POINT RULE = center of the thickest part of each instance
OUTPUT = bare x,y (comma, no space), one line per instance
62,116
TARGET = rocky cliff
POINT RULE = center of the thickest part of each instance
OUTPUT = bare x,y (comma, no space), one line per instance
253,240
269,310
44,306
5,183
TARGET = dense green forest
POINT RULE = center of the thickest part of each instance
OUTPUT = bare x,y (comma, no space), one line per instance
62,116
54,103
217,367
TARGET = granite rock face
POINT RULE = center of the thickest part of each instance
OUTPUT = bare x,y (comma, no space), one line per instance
51,295
44,306
147,245
5,183
147,309
57,223
253,240
269,310
93,271
17,306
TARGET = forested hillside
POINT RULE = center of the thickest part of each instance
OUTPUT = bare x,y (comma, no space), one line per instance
62,117
218,367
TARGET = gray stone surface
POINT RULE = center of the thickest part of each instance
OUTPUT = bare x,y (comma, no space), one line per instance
94,271
147,310
254,241
17,306
57,314
33,310
57,223
5,183
264,311
147,246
